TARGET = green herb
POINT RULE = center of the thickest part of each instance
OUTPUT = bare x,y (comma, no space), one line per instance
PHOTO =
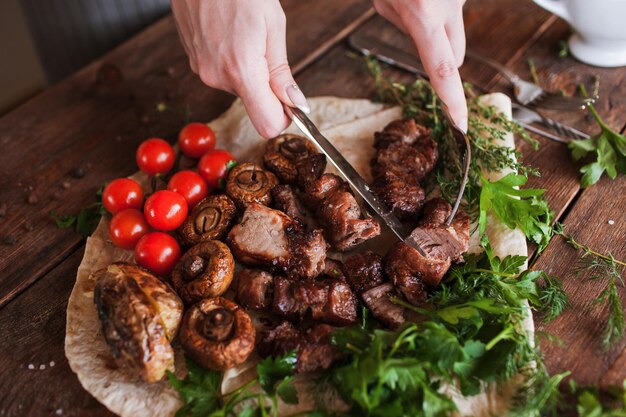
516,207
589,402
201,390
609,147
602,267
87,219
533,71
563,49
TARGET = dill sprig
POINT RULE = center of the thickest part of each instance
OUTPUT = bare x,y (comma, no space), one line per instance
602,267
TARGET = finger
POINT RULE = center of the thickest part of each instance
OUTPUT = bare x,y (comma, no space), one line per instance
281,79
438,59
455,30
263,107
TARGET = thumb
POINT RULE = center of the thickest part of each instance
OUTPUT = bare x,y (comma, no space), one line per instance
281,79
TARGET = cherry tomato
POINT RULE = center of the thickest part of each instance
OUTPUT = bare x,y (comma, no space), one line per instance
190,185
158,252
155,156
121,194
127,227
214,166
165,210
196,139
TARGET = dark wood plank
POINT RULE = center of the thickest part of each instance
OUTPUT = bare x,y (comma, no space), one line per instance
33,329
94,121
581,327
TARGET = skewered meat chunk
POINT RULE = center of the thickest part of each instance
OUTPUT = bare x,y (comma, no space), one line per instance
217,333
364,271
255,289
284,198
282,152
404,198
140,315
308,252
330,300
248,183
411,272
209,220
334,269
310,168
206,270
261,237
406,149
378,300
315,350
339,211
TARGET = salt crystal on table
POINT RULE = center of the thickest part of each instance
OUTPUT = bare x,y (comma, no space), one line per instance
611,222
59,411
42,367
52,364
31,366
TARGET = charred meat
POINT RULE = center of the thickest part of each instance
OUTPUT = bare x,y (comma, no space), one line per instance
285,199
140,315
310,168
209,220
308,253
206,270
404,198
217,333
378,300
249,183
282,152
364,271
255,289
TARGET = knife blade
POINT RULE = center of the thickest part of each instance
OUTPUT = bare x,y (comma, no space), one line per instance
378,208
399,58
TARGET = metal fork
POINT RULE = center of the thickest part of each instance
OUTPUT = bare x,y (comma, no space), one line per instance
530,94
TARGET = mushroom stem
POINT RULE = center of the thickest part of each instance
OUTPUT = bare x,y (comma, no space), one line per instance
218,324
193,266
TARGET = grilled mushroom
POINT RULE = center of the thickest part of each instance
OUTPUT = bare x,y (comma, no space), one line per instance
248,183
209,220
217,333
140,315
206,270
282,152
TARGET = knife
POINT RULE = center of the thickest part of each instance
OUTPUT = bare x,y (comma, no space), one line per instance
378,208
399,58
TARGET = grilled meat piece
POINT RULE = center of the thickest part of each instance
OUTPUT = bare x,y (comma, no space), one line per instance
140,315
405,149
334,269
217,333
339,211
378,300
315,350
330,300
364,271
308,253
285,199
248,183
282,152
414,274
310,168
261,237
404,198
206,270
255,289
210,219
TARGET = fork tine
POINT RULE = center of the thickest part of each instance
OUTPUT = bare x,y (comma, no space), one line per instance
552,101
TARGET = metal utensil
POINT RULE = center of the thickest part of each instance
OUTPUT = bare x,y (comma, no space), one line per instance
378,208
401,59
530,94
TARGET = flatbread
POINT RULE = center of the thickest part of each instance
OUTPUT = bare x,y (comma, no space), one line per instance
350,125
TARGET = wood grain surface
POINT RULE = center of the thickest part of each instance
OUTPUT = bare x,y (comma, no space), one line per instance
95,119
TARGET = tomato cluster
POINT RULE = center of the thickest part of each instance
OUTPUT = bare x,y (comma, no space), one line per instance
143,226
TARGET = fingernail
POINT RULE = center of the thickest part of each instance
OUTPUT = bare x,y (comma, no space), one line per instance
463,125
297,98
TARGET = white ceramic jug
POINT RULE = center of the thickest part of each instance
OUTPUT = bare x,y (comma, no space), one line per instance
600,26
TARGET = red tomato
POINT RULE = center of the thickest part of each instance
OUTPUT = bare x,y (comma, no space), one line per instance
155,156
190,185
214,166
158,252
196,139
121,194
165,210
127,227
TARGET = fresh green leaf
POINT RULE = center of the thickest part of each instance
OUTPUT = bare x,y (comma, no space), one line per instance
200,391
63,222
276,376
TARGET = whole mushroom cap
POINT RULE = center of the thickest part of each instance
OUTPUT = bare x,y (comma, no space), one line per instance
249,183
282,152
217,333
210,219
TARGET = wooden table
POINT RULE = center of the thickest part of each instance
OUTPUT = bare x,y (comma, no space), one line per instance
59,147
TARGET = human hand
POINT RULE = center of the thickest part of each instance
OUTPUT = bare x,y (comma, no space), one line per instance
436,27
239,46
